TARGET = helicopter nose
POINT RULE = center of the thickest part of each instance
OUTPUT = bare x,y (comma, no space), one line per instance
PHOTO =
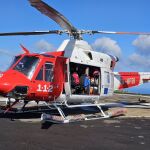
10,79
5,87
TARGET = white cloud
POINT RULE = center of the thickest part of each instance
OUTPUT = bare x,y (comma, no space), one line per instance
5,52
140,59
139,62
43,45
107,45
5,61
6,57
142,44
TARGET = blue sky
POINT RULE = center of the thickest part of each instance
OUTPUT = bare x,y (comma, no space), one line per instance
111,15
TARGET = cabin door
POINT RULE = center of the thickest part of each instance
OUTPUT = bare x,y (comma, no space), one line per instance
43,84
67,78
59,76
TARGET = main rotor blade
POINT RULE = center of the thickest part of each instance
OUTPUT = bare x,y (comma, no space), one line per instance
113,32
77,32
53,14
32,33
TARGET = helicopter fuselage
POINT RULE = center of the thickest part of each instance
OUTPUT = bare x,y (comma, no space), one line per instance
48,76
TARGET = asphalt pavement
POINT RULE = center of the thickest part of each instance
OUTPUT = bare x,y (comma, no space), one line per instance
107,134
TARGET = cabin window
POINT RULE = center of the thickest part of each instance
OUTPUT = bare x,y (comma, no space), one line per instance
111,64
107,77
46,73
90,55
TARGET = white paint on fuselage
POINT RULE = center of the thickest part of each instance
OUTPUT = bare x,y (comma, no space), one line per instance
77,52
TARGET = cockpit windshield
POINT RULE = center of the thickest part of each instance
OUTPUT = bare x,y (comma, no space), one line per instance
27,65
16,58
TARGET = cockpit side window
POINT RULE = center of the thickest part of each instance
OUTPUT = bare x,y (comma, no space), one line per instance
49,72
46,72
40,74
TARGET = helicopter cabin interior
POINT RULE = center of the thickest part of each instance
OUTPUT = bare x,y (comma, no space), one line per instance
84,79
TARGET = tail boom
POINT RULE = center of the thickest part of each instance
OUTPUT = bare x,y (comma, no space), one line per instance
130,79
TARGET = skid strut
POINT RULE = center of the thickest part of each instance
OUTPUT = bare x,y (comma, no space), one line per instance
10,106
62,118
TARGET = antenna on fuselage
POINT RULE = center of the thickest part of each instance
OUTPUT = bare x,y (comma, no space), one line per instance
25,49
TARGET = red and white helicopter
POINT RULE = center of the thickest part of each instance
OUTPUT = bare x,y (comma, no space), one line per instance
55,77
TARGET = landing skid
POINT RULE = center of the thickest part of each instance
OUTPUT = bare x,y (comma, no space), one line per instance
61,112
62,118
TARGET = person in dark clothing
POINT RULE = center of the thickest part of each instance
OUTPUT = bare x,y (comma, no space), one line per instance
85,83
75,82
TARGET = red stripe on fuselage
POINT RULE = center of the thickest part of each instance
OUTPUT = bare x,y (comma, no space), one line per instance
129,79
